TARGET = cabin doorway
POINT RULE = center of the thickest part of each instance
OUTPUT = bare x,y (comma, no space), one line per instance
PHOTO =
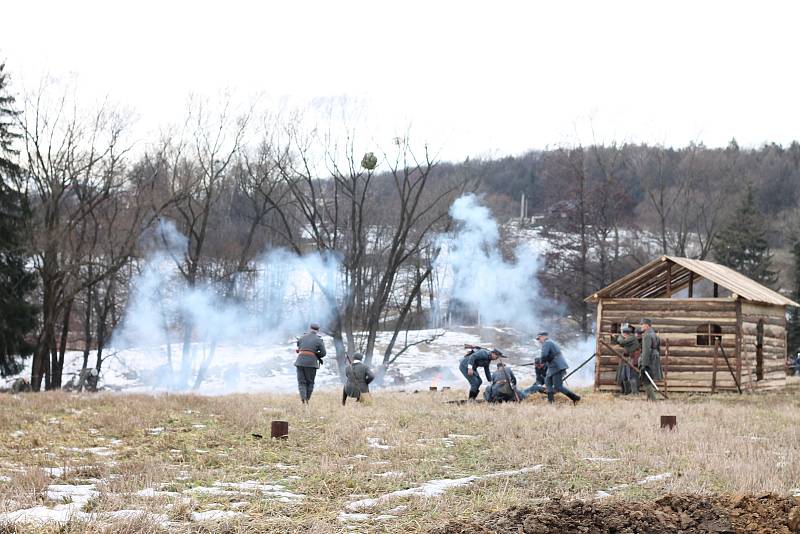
760,350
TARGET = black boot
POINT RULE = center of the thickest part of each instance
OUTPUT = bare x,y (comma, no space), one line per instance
473,395
575,398
551,397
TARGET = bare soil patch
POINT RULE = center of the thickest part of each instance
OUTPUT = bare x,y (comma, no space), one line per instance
686,513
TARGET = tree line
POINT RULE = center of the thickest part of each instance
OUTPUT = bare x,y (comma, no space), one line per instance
80,201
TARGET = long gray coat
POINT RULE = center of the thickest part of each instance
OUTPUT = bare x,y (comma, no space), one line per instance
359,377
551,355
310,342
650,358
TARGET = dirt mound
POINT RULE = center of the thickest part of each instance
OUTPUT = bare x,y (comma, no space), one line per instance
759,514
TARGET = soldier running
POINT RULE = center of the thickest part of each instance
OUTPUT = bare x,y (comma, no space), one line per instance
310,351
556,369
470,363
650,360
358,377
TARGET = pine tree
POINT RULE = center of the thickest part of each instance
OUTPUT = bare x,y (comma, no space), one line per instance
743,245
17,316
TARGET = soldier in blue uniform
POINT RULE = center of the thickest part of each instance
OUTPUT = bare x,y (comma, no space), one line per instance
556,369
472,361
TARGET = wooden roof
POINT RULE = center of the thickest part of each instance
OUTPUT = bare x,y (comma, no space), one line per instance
651,281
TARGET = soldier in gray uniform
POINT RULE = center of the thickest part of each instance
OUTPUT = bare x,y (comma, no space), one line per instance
358,378
556,369
310,351
504,386
650,360
627,378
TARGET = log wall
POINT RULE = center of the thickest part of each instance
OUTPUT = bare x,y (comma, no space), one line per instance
773,345
687,366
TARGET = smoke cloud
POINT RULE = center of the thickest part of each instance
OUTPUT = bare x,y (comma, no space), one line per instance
268,306
501,292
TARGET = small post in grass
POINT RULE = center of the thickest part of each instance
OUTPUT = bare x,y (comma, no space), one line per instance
279,429
669,422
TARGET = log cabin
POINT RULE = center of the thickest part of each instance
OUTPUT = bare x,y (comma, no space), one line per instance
719,330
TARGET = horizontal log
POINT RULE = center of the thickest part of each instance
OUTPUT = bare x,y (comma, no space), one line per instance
668,304
611,360
750,308
750,329
678,351
637,315
775,321
680,338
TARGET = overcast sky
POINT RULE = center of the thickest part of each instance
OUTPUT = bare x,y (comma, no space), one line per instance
473,79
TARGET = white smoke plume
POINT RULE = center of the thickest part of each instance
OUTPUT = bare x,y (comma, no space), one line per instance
502,292
270,306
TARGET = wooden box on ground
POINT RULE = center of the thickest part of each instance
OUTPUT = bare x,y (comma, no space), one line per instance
735,318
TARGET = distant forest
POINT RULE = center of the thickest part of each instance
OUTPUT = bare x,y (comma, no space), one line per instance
84,205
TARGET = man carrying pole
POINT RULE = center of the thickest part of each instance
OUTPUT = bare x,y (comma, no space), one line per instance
627,377
650,360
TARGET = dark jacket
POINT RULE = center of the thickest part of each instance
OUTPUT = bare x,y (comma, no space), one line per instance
651,357
311,350
503,387
480,358
358,378
632,350
551,355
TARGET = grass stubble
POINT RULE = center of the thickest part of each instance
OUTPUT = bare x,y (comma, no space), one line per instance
722,444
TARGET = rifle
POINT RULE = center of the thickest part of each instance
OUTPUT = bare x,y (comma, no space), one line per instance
629,364
581,365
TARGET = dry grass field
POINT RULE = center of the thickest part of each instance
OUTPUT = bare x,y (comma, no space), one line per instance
182,463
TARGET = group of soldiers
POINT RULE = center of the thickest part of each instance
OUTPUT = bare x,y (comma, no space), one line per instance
643,365
310,354
551,368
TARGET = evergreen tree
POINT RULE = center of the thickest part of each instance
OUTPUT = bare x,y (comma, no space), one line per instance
743,246
17,316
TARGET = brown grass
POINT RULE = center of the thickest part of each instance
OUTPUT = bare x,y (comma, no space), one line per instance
726,443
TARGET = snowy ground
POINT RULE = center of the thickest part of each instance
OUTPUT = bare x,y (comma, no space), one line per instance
269,368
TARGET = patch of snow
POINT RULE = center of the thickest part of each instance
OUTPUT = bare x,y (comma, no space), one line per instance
380,462
359,457
602,460
435,488
376,443
198,425
654,478
161,519
155,430
285,467
201,451
76,494
215,515
4,478
115,442
390,474
17,434
463,436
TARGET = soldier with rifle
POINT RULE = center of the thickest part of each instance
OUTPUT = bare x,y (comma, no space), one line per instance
650,360
556,369
358,377
476,358
310,352
504,386
627,378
